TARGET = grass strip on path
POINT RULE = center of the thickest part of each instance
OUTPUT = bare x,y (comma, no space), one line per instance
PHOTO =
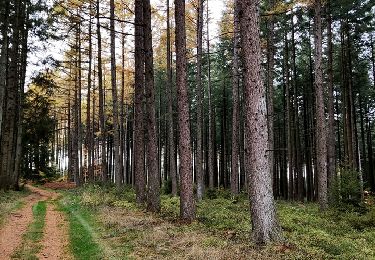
30,246
81,233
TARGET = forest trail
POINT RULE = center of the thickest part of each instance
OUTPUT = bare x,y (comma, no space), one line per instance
54,242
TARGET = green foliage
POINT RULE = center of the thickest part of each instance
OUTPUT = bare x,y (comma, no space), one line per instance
346,190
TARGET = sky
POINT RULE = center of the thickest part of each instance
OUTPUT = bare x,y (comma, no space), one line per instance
55,48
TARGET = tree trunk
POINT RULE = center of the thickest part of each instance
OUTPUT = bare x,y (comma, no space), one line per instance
270,101
101,96
153,192
234,184
321,138
199,162
263,212
187,204
139,160
171,140
116,129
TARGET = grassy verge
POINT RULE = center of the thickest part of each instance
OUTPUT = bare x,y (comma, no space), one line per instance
82,233
223,225
10,201
30,246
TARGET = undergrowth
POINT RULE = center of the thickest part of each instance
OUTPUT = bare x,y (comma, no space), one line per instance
333,234
10,201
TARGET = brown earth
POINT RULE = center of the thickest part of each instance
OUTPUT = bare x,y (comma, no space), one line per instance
54,243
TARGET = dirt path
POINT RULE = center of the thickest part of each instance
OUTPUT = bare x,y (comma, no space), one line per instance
54,241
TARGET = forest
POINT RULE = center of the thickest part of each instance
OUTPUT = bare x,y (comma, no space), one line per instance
199,129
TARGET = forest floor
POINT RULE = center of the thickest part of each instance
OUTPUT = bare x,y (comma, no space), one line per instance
58,221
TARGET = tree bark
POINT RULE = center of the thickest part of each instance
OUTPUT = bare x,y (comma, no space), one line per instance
263,212
115,108
199,159
101,95
187,204
153,192
234,184
139,160
321,138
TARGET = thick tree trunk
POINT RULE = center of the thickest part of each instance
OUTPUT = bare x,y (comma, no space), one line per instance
8,140
139,157
199,162
321,138
234,184
187,204
263,212
153,191
89,136
3,58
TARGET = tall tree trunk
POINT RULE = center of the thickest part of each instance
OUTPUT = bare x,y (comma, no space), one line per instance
171,140
8,140
321,138
211,118
263,212
270,101
139,160
101,95
116,129
89,126
187,204
3,58
153,192
199,162
234,184
331,138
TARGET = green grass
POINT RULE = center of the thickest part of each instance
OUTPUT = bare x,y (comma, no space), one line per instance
30,246
82,233
10,201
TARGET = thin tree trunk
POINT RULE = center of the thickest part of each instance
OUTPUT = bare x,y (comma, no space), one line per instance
116,129
101,96
199,162
235,93
89,136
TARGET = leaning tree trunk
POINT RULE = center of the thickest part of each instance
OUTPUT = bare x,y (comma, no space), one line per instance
187,204
263,211
139,167
153,191
321,138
